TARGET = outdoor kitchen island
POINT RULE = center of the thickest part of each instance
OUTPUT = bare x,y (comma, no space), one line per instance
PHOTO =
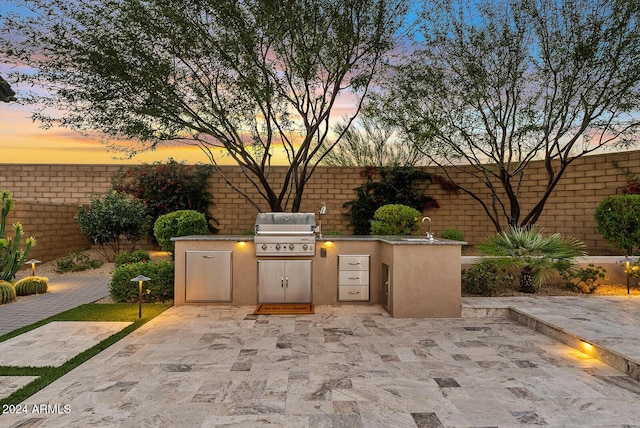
410,276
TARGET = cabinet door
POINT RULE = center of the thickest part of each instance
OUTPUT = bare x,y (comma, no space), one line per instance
297,281
270,281
208,276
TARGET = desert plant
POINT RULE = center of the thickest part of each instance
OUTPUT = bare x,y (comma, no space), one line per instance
110,219
31,285
133,256
395,219
484,278
7,292
75,262
585,280
453,234
618,221
11,256
178,223
158,289
534,254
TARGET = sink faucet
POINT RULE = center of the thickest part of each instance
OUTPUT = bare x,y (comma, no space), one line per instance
429,234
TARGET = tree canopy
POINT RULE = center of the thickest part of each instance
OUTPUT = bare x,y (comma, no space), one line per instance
238,78
494,85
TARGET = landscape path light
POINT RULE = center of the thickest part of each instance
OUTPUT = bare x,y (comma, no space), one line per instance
33,263
140,279
628,269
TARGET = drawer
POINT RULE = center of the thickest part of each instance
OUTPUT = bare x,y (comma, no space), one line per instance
353,262
353,277
353,292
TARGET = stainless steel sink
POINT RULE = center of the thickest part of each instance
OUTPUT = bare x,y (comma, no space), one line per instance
418,239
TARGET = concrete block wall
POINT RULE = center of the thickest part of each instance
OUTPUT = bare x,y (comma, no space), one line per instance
49,194
57,233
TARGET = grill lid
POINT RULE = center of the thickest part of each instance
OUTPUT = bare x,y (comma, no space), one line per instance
285,224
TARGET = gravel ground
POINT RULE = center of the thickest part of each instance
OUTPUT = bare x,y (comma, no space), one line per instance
48,269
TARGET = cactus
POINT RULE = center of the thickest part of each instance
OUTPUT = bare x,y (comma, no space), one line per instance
7,292
31,285
11,256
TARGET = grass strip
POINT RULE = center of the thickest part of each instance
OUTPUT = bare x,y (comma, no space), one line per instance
89,312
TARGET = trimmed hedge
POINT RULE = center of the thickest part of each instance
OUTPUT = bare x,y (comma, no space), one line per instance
395,219
158,289
7,292
178,223
618,220
32,285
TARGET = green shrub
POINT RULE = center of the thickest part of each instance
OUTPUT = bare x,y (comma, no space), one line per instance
134,256
618,221
7,292
178,223
158,289
484,278
75,262
168,187
31,285
107,221
453,234
584,280
397,185
395,219
333,233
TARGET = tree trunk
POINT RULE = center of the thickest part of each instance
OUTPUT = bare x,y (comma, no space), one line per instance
526,280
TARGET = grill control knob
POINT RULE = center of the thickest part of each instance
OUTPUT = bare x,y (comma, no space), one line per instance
277,246
291,247
264,246
305,246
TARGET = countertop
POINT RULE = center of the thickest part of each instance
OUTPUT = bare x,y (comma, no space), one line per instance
393,240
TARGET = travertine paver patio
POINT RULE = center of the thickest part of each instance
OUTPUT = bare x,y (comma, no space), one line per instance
344,366
55,343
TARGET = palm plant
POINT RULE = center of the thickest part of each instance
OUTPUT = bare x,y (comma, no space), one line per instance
535,254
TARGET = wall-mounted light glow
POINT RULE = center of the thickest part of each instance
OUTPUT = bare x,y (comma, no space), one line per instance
586,348
327,244
242,243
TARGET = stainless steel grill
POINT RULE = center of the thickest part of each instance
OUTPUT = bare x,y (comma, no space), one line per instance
285,234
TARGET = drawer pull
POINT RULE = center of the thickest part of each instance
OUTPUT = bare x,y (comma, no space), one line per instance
354,292
354,264
354,277
208,257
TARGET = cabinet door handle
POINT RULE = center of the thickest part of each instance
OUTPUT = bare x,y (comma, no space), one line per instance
282,282
354,277
286,281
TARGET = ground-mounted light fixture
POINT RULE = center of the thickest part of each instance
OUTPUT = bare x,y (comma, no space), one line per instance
33,263
628,269
140,279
